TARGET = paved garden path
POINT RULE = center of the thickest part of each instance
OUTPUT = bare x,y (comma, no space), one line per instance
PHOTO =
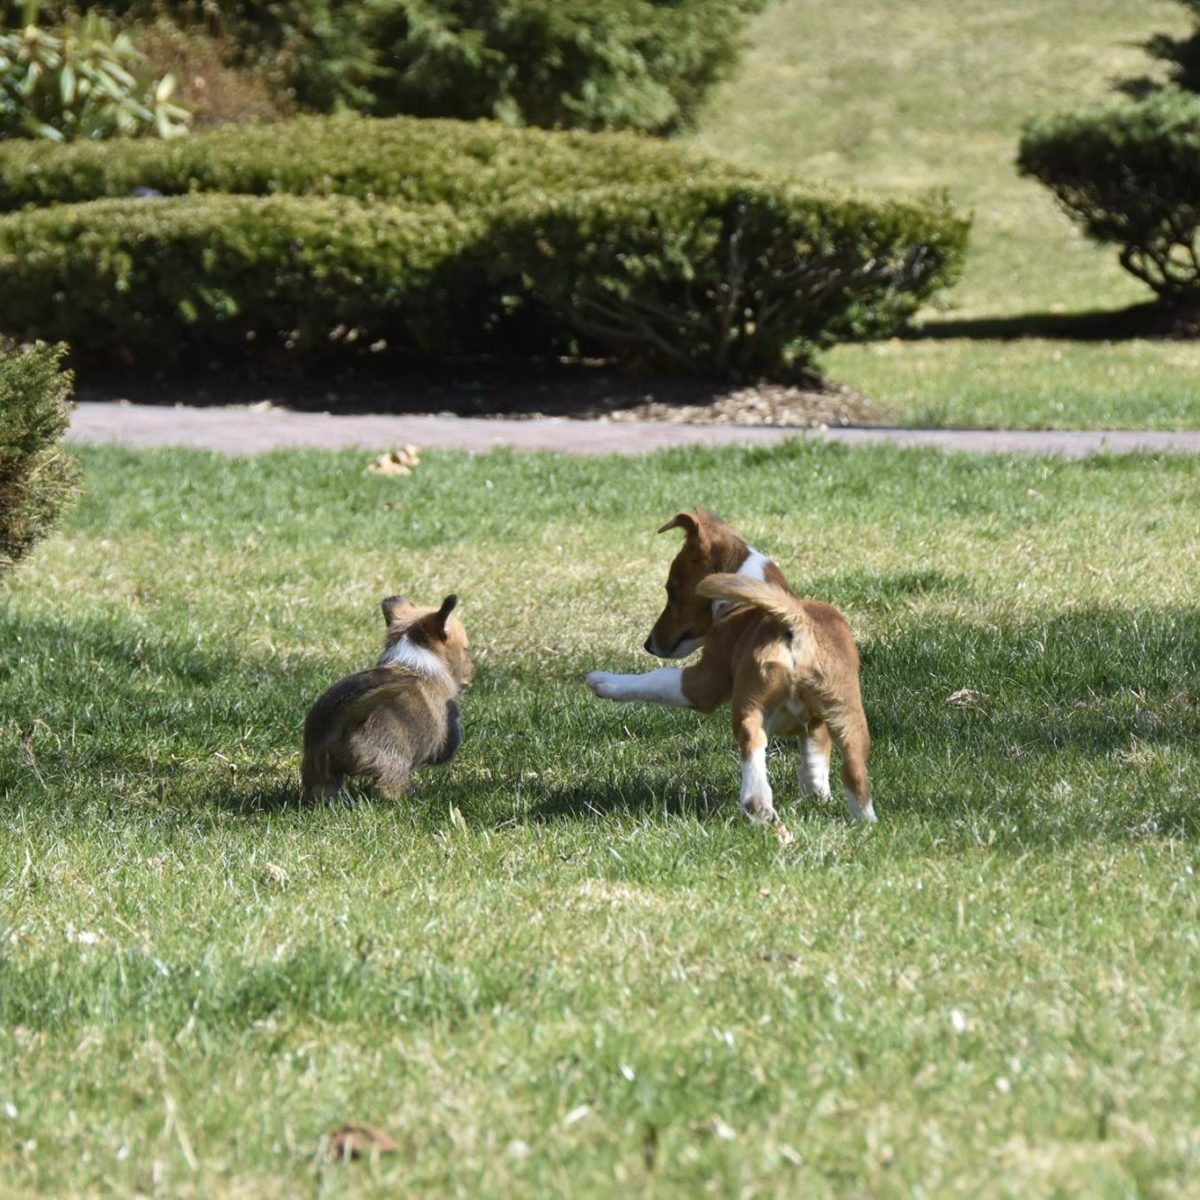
247,431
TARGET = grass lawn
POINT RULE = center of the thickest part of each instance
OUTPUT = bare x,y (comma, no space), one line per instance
896,96
566,965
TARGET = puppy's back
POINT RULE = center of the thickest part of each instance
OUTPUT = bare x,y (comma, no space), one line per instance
381,722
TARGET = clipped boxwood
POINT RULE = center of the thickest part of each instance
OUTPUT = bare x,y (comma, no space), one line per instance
166,280
1129,174
444,236
723,278
402,159
37,479
727,279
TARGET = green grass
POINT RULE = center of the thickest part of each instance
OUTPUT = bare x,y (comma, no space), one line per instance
566,964
894,96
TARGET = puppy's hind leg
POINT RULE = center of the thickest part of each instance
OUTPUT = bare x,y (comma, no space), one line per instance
391,773
813,769
756,799
854,745
318,779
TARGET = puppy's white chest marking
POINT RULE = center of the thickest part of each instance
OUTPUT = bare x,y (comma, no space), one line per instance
754,567
403,653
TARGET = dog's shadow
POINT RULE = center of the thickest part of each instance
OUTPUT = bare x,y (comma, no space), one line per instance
597,801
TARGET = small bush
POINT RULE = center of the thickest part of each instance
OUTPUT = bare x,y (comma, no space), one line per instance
402,159
1130,175
37,479
81,81
727,279
222,276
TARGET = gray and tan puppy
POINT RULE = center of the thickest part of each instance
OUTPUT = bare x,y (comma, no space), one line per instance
398,715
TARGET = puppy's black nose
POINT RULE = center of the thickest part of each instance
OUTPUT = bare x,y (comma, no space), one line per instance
649,645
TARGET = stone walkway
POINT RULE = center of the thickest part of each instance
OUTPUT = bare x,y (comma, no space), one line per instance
246,431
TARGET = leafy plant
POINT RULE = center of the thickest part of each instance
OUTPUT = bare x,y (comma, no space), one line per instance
82,80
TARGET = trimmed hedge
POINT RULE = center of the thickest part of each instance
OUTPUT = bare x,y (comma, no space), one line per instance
37,480
1130,176
402,159
726,278
161,281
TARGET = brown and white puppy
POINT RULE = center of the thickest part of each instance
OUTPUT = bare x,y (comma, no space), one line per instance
402,713
787,666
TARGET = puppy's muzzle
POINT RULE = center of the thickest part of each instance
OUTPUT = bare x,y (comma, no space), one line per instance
681,649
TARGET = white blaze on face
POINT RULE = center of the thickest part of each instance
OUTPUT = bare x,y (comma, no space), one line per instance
404,653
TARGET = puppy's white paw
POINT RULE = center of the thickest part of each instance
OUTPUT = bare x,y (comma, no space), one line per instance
858,812
605,684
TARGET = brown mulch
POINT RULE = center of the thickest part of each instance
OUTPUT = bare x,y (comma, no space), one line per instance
574,392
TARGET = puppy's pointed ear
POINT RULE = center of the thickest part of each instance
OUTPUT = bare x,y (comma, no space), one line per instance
391,608
692,527
438,621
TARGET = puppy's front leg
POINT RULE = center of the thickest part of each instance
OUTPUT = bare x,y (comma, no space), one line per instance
663,686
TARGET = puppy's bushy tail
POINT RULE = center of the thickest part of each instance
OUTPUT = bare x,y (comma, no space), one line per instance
781,606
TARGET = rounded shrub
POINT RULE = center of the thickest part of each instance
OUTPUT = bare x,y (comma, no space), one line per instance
37,478
738,278
1129,174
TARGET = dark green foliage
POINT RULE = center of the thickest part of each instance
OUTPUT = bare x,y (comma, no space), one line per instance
728,278
37,479
223,276
624,64
1130,175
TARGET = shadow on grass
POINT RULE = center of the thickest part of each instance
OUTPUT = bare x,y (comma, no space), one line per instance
1106,700
1008,721
597,800
1127,324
